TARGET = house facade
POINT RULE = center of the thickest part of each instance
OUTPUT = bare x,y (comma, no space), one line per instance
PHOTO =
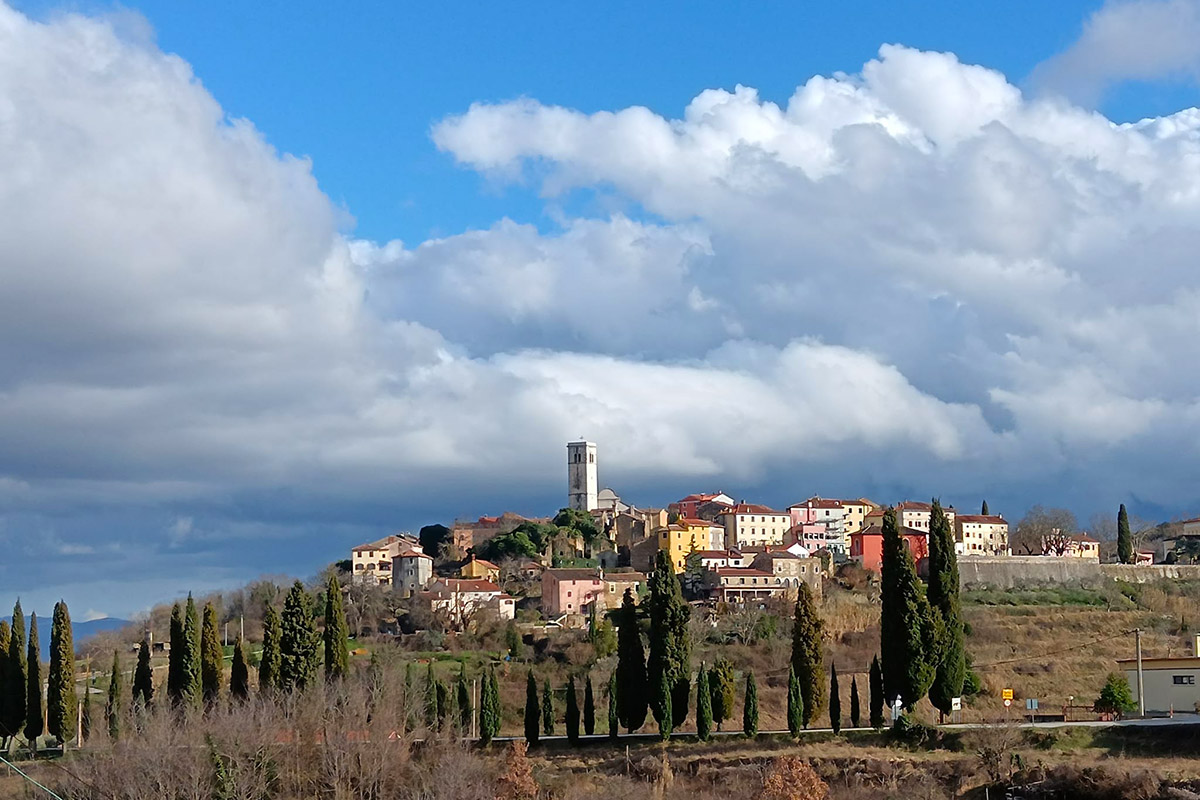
980,535
790,570
690,505
748,525
910,514
412,571
479,569
372,562
457,599
572,591
866,546
686,535
740,584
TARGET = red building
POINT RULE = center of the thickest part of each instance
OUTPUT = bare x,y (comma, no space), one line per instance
690,505
866,546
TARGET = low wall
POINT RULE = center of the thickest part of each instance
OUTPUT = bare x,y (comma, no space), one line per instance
1008,572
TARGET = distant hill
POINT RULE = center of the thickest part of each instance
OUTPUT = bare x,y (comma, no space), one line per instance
81,631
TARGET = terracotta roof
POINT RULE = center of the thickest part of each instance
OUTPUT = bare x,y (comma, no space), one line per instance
817,502
692,498
487,564
1083,537
624,577
572,574
913,505
1186,521
714,554
691,522
990,519
754,508
410,553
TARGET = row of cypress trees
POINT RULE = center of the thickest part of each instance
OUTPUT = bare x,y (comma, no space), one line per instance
921,629
22,712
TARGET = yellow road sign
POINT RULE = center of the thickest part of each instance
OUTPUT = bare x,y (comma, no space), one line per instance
1007,694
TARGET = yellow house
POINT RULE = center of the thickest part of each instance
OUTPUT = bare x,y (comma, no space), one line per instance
684,535
478,569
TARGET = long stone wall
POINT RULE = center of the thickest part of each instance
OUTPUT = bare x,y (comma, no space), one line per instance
1013,571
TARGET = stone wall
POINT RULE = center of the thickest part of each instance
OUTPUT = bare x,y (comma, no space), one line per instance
1008,572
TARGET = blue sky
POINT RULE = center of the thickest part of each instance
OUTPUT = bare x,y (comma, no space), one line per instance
285,278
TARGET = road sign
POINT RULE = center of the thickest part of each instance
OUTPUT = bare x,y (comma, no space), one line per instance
1007,703
1007,694
1031,704
956,704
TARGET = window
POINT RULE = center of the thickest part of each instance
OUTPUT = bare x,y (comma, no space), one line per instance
591,458
1184,680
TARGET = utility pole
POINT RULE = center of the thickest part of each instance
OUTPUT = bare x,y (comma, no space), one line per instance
1141,684
474,708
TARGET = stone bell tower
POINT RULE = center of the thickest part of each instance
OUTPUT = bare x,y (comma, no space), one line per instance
581,476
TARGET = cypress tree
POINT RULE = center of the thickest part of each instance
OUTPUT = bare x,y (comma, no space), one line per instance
143,677
664,702
112,708
532,711
212,657
984,509
589,707
441,694
15,676
298,641
410,696
943,594
795,704
670,647
909,636
855,705
572,713
465,710
547,708
431,707
835,701
35,720
750,707
630,677
176,656
62,704
703,706
5,641
807,657
239,673
614,716
269,662
85,712
192,665
337,651
876,687
721,687
1124,537
489,707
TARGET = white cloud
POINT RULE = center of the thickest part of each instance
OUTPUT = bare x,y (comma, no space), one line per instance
910,277
1126,40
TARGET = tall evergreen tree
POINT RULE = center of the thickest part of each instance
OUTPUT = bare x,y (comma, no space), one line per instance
547,708
15,678
62,704
337,651
193,664
630,676
721,686
908,631
835,701
943,594
533,711
85,713
489,707
212,657
571,717
465,710
431,707
614,715
143,677
269,661
443,703
112,708
239,673
5,642
984,509
877,692
670,645
175,656
855,704
410,696
663,699
807,656
35,717
1124,537
795,703
298,641
704,713
589,707
750,707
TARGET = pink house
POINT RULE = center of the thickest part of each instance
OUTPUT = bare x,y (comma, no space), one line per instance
571,591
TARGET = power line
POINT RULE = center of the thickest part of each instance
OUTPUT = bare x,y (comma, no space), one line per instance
15,769
1052,652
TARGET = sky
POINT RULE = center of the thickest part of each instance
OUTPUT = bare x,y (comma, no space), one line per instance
277,280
